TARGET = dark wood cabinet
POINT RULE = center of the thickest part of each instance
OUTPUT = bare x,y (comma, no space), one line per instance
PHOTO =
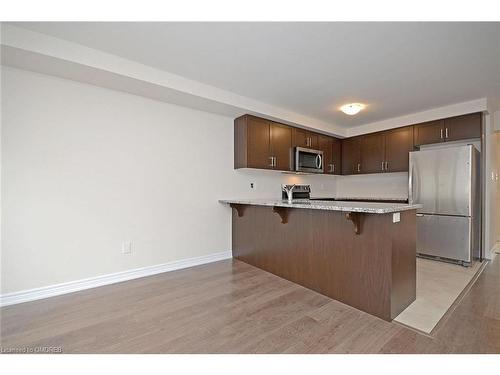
380,152
300,138
429,132
258,144
281,146
372,153
336,156
265,144
351,156
449,129
313,140
325,145
463,127
398,143
262,144
304,138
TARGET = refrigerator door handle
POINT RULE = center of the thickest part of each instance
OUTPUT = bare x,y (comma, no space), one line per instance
410,184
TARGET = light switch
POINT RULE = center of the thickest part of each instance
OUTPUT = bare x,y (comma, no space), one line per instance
396,217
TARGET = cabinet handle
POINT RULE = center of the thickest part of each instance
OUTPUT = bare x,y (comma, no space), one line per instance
386,165
446,133
272,159
382,166
441,133
359,167
333,168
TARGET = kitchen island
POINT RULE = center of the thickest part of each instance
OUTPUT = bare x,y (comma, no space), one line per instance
360,253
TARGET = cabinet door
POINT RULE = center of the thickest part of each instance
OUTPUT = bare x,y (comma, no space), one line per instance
300,138
398,144
258,146
372,153
325,145
429,132
337,156
313,141
281,146
463,127
350,155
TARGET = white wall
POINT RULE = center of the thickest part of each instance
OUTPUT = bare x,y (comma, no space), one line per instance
388,185
85,168
496,173
491,185
497,203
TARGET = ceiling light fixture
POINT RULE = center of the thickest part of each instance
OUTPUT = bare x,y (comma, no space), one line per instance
352,108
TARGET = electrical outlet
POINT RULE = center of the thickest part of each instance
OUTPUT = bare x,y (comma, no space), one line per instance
126,247
396,217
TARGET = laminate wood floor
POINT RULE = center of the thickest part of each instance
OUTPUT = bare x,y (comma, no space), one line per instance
232,307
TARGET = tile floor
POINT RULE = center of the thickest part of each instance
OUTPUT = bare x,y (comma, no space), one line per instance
438,286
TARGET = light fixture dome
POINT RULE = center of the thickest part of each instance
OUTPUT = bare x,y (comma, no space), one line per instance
352,108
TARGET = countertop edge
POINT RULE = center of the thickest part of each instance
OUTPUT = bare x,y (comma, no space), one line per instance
327,205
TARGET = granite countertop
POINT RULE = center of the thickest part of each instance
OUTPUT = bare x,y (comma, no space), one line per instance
367,198
366,207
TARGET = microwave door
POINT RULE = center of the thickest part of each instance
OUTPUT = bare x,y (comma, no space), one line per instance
308,160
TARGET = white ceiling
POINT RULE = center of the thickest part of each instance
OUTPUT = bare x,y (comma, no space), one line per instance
313,68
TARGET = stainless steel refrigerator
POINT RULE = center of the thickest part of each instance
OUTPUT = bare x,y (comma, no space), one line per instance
446,182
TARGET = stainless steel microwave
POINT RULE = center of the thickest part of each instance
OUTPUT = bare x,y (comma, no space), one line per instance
308,160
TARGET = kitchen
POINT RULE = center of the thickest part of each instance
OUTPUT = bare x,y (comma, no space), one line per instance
441,162
199,187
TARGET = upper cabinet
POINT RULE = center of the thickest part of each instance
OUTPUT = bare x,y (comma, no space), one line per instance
351,155
281,146
463,127
336,156
331,148
378,152
429,132
449,129
372,153
398,144
263,144
304,138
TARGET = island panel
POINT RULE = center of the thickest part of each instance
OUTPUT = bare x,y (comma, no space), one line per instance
373,271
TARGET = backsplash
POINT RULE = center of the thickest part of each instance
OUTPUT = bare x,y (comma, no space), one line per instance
385,185
267,184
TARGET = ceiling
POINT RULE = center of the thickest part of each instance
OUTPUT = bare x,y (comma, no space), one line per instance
313,68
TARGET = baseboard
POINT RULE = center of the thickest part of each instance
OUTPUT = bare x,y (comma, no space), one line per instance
93,282
495,250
